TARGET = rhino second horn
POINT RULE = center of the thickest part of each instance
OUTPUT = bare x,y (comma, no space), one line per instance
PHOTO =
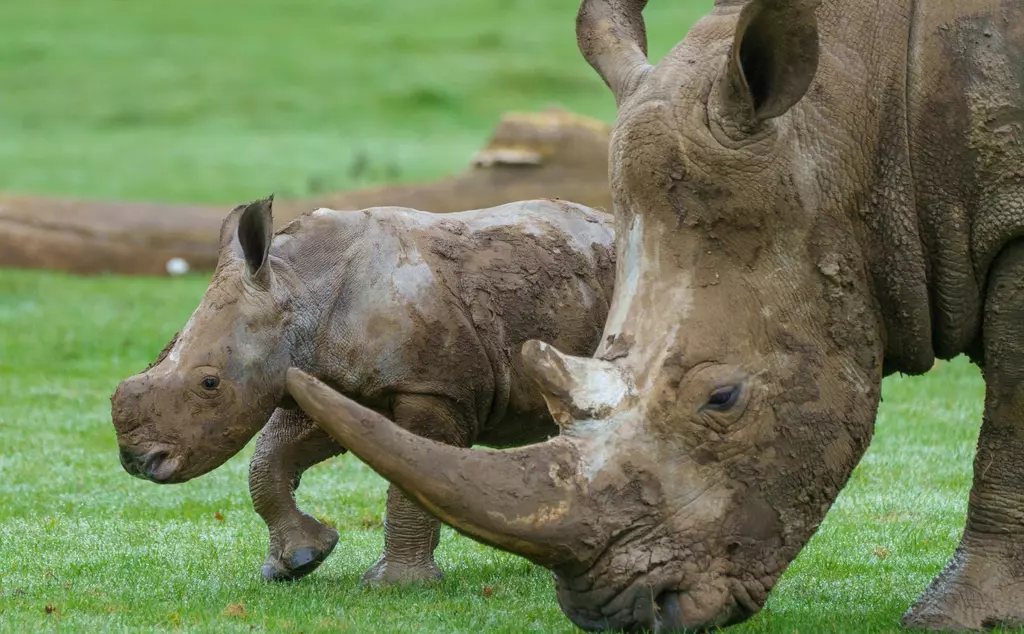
575,388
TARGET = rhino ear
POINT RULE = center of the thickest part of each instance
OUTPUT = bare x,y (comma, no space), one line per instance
773,59
255,232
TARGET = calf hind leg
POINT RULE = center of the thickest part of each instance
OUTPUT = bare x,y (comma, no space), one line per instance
290,443
410,533
983,584
410,537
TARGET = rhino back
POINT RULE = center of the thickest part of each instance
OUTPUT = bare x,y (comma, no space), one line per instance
386,323
440,304
538,269
531,270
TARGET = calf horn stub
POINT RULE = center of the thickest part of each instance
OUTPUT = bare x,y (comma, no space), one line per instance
529,501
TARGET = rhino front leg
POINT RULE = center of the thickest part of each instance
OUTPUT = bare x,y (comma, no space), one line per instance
983,584
290,443
410,533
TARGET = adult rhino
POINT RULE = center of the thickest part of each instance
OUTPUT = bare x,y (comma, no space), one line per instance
809,196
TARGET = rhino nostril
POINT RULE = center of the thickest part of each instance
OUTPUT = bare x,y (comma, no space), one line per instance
154,460
159,467
669,615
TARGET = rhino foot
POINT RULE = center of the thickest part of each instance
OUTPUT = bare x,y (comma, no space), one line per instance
386,573
978,590
302,552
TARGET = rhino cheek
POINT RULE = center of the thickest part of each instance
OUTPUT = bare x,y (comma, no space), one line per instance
209,436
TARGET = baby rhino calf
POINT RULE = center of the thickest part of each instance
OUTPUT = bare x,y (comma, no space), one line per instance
416,315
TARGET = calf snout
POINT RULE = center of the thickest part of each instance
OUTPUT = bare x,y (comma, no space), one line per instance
144,452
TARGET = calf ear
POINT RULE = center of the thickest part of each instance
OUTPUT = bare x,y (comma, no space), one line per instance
773,59
255,232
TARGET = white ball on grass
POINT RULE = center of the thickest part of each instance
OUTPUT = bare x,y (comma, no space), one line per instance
177,266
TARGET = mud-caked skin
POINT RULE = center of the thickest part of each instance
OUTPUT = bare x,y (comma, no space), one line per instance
809,195
416,315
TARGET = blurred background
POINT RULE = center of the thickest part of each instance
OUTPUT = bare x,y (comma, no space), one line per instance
199,101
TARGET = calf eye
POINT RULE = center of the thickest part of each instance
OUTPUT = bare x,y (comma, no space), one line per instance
210,383
723,398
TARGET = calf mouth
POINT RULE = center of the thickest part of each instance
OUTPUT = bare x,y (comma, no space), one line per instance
154,463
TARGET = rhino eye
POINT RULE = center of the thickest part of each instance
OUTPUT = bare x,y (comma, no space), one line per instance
210,382
723,398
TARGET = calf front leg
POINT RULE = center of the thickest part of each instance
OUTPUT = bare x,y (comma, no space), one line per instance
982,586
290,443
410,533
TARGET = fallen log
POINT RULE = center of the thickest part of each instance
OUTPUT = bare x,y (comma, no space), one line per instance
552,154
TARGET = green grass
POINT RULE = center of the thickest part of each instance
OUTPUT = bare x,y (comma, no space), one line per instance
184,101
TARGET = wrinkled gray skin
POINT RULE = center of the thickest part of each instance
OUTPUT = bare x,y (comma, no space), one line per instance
418,316
808,196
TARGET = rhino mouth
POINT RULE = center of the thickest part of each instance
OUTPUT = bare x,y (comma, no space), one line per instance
643,607
155,463
678,612
675,596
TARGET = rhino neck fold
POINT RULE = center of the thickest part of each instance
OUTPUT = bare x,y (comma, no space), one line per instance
317,265
862,87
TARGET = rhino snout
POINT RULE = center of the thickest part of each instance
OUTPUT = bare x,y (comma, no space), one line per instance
143,452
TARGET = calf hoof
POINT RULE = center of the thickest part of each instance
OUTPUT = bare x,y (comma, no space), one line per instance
298,561
970,594
385,573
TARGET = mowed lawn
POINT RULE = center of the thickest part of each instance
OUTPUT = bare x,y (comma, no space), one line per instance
227,101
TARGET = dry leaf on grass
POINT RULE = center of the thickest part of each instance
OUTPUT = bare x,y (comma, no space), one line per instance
236,610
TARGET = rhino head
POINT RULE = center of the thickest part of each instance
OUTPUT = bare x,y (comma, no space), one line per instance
218,381
738,377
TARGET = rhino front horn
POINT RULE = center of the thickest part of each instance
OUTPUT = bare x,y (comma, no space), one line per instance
576,388
530,501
